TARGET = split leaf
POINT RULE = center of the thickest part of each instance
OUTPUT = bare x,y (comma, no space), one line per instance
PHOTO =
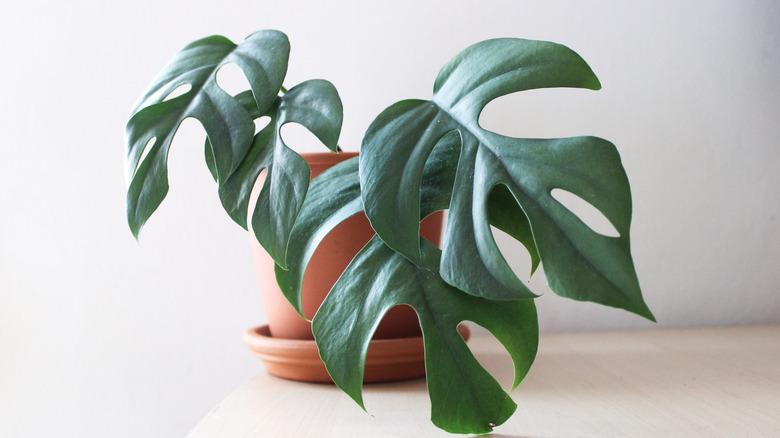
314,104
464,397
578,262
262,57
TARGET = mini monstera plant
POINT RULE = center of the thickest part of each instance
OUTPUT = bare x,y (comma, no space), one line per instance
417,157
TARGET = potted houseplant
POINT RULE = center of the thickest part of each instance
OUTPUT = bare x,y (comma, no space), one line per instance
418,157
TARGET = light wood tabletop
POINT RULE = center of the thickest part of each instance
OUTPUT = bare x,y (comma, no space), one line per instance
714,382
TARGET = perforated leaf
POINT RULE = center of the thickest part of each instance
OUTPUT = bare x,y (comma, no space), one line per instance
315,104
262,57
464,397
334,196
578,262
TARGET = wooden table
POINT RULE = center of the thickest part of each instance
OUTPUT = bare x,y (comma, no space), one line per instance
666,383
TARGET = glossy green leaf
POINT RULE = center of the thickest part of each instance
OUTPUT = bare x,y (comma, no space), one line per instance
334,196
247,101
262,57
578,262
315,104
464,397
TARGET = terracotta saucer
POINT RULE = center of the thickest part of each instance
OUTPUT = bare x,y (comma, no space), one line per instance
388,360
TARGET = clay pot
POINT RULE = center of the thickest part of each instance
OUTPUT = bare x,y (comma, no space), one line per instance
326,265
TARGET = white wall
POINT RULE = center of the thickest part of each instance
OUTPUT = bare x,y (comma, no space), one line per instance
100,336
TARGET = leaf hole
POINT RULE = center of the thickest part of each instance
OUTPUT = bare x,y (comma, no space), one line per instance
493,356
509,221
586,212
261,123
298,137
397,322
515,253
178,91
256,189
542,113
148,147
431,227
231,79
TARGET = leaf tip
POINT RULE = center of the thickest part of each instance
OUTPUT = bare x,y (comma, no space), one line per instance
594,83
360,403
642,310
649,315
134,225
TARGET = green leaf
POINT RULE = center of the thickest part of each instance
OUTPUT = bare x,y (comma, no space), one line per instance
247,101
578,262
349,316
315,104
464,397
262,57
334,196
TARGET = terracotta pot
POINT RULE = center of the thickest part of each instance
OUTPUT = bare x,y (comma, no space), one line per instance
326,265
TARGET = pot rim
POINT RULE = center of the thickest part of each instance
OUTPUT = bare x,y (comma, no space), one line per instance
259,338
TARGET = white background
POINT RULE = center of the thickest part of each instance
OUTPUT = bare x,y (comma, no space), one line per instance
103,337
